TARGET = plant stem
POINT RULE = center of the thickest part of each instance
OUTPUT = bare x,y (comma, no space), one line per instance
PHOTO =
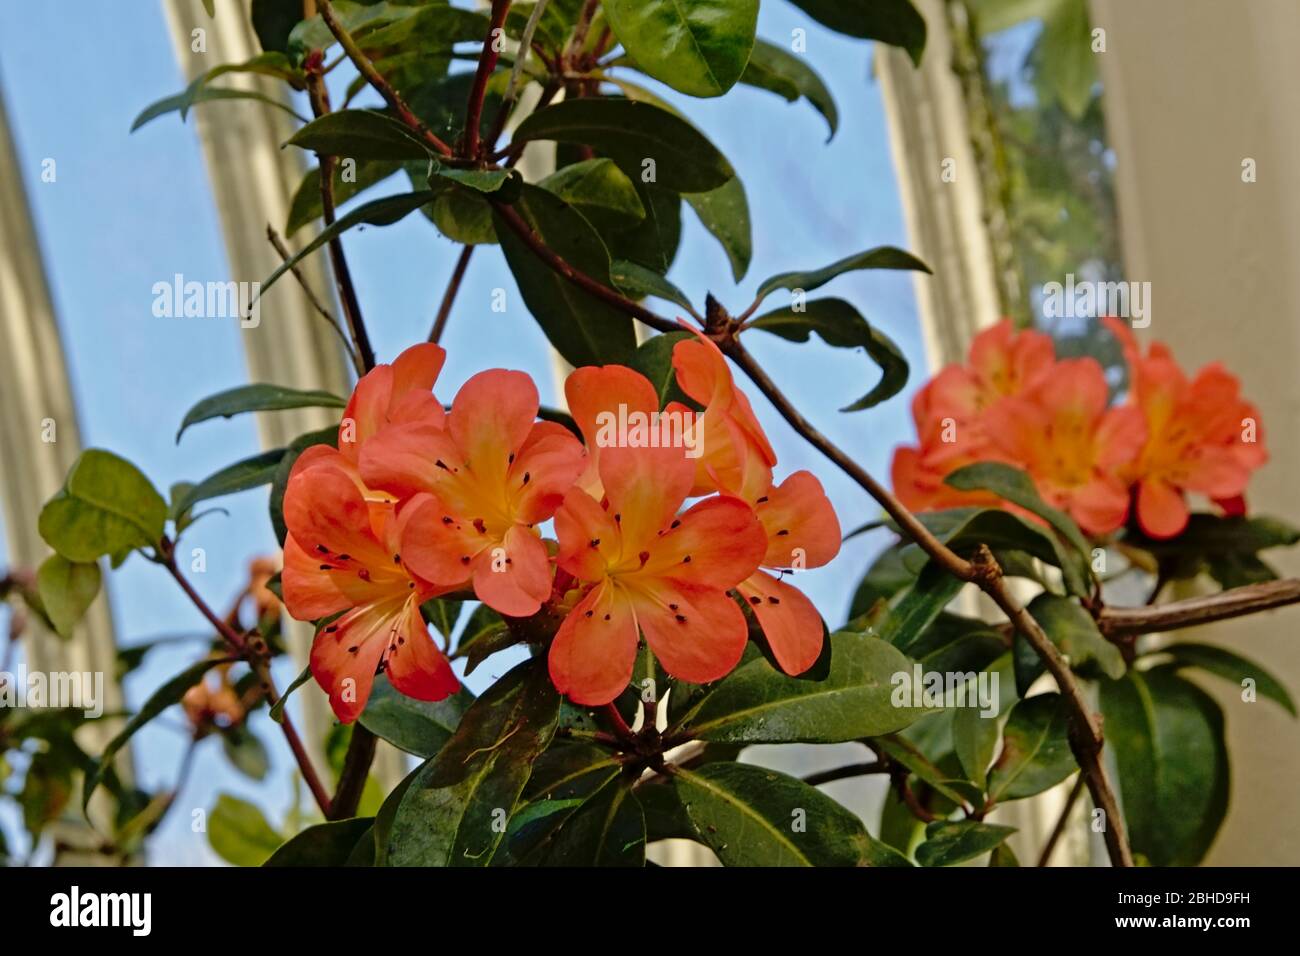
1235,602
356,771
487,62
843,773
448,297
376,79
283,251
1061,821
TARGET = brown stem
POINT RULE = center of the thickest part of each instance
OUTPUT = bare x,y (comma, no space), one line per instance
260,667
487,62
285,255
1235,602
448,297
376,79
621,730
1061,821
356,771
843,773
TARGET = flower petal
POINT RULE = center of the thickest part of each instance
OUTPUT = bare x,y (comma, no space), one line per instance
791,624
717,544
439,546
801,526
513,577
490,419
698,634
309,592
346,654
1161,510
645,487
590,540
415,665
545,468
593,653
323,507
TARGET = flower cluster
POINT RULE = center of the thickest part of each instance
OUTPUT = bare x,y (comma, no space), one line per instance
417,501
1015,402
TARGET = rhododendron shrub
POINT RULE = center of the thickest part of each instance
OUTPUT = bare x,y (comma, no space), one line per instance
576,621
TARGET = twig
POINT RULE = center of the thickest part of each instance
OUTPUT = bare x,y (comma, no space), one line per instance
843,773
1235,602
448,297
285,255
1061,821
259,666
355,773
487,62
376,79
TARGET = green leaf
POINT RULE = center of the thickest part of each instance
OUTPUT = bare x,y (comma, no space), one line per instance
443,614
1035,750
485,634
242,475
779,71
419,727
841,325
974,738
886,576
106,506
1074,631
377,212
630,133
724,212
277,709
357,17
584,330
245,752
1231,667
881,257
654,360
1009,482
605,829
326,436
273,20
654,241
907,620
752,816
895,22
325,844
305,207
637,282
503,181
599,190
757,704
256,398
360,134
906,753
240,834
949,842
67,589
181,103
1167,737
436,27
1227,548
1064,57
698,48
447,816
166,695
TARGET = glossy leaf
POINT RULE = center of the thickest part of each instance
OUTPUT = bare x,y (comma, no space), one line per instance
447,816
1035,750
779,71
1009,482
630,133
881,257
106,506
599,190
584,330
724,212
485,634
895,22
752,816
241,476
256,398
1074,631
67,589
1167,737
1231,667
949,842
325,844
419,727
974,738
699,48
757,704
638,282
360,134
305,207
906,620
605,829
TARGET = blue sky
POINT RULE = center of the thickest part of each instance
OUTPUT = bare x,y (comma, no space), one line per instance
128,210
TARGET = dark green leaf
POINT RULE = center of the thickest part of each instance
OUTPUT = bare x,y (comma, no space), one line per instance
242,475
974,738
630,133
1035,750
67,589
698,48
181,102
751,816
277,709
779,71
724,212
419,727
654,360
443,614
599,190
349,181
485,634
1231,667
273,20
757,704
653,242
360,134
895,22
584,330
1167,737
450,814
637,282
881,257
245,752
325,844
907,620
949,842
606,829
256,398
1074,631
1016,486
106,506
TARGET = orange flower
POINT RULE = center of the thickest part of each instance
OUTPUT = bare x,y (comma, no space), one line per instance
342,555
1201,436
492,473
401,392
950,415
802,532
594,392
737,458
646,569
1073,446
